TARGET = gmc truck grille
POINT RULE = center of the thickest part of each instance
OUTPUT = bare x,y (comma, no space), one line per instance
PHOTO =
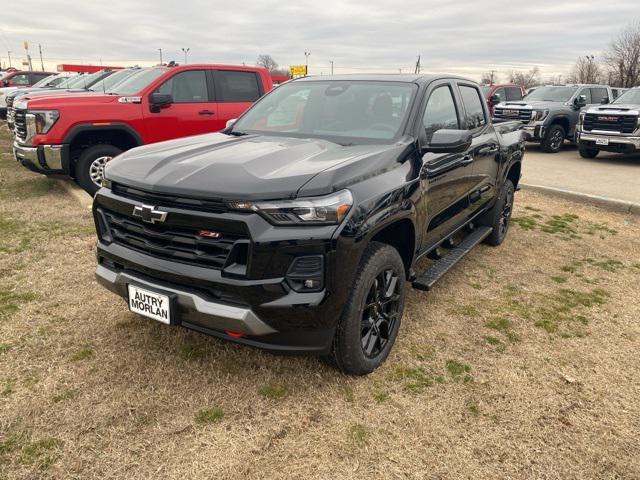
610,123
523,115
20,125
214,206
187,245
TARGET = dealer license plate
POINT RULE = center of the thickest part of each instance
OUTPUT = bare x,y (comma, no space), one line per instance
150,304
602,141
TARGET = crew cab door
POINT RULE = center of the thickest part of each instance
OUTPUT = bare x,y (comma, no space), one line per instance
236,91
485,147
192,110
445,177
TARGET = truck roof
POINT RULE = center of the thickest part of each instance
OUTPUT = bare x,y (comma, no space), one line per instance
382,77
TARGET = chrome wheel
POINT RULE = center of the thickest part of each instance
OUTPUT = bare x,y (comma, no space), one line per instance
556,140
96,170
380,313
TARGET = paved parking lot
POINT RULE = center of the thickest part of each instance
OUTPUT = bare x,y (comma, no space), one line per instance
608,175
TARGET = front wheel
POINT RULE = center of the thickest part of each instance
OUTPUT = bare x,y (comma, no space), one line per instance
370,321
90,166
554,139
586,152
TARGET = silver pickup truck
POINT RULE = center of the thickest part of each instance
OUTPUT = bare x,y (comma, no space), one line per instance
611,128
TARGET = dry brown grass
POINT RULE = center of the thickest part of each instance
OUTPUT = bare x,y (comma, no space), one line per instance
501,372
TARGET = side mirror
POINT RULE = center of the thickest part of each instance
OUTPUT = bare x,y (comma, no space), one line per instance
230,122
159,100
449,141
495,99
604,101
580,101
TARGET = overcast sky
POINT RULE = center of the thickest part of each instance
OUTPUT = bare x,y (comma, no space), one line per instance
465,36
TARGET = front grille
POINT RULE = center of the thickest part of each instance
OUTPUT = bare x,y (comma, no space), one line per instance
523,115
610,123
214,206
170,242
20,124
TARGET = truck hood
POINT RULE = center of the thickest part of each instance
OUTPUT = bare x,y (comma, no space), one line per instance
221,166
7,90
538,105
60,98
614,108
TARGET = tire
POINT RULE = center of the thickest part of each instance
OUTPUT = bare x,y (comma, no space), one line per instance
370,321
554,139
586,152
499,216
90,166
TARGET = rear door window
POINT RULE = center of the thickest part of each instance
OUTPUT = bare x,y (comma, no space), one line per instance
474,112
186,87
232,86
513,94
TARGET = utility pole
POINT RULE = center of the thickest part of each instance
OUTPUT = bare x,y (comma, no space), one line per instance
9,54
185,51
306,63
418,65
25,44
492,76
160,50
331,67
41,62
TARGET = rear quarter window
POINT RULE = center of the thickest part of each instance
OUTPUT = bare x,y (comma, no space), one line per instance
234,86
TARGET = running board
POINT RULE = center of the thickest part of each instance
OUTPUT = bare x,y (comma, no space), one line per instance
435,272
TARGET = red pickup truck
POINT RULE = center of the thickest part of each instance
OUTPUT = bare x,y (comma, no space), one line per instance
496,93
76,135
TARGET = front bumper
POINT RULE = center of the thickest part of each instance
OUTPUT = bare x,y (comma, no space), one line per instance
534,132
616,143
45,159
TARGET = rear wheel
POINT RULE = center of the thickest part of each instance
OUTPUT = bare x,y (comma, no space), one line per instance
90,166
499,216
554,139
586,152
370,321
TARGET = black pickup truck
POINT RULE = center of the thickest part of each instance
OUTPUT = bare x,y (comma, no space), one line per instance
297,228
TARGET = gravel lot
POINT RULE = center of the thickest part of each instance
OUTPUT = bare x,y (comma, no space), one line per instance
522,363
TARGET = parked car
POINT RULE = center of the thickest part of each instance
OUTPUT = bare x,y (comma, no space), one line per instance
21,78
47,82
97,81
77,135
611,128
495,94
296,228
550,114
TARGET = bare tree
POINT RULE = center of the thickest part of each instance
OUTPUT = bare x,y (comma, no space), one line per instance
586,70
526,79
623,57
267,62
489,78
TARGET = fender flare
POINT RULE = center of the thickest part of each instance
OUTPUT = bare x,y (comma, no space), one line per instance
87,127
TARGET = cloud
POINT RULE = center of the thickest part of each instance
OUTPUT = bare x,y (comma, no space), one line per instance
465,37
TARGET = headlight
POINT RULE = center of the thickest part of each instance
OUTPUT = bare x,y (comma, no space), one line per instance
44,119
327,210
539,114
581,118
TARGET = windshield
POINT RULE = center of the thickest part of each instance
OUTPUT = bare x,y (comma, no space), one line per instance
361,111
85,81
112,80
630,96
46,81
136,82
552,94
65,82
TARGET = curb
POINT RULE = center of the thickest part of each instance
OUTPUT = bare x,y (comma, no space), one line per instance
76,192
611,204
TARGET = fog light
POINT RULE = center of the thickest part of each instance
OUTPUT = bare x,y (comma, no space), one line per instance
306,274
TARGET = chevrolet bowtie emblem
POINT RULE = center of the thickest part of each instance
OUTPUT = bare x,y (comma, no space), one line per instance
149,214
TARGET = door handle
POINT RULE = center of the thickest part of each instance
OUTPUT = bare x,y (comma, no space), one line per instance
206,112
466,160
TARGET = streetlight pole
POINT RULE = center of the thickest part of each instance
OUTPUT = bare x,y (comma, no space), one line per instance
160,50
331,67
41,62
9,54
185,51
306,62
